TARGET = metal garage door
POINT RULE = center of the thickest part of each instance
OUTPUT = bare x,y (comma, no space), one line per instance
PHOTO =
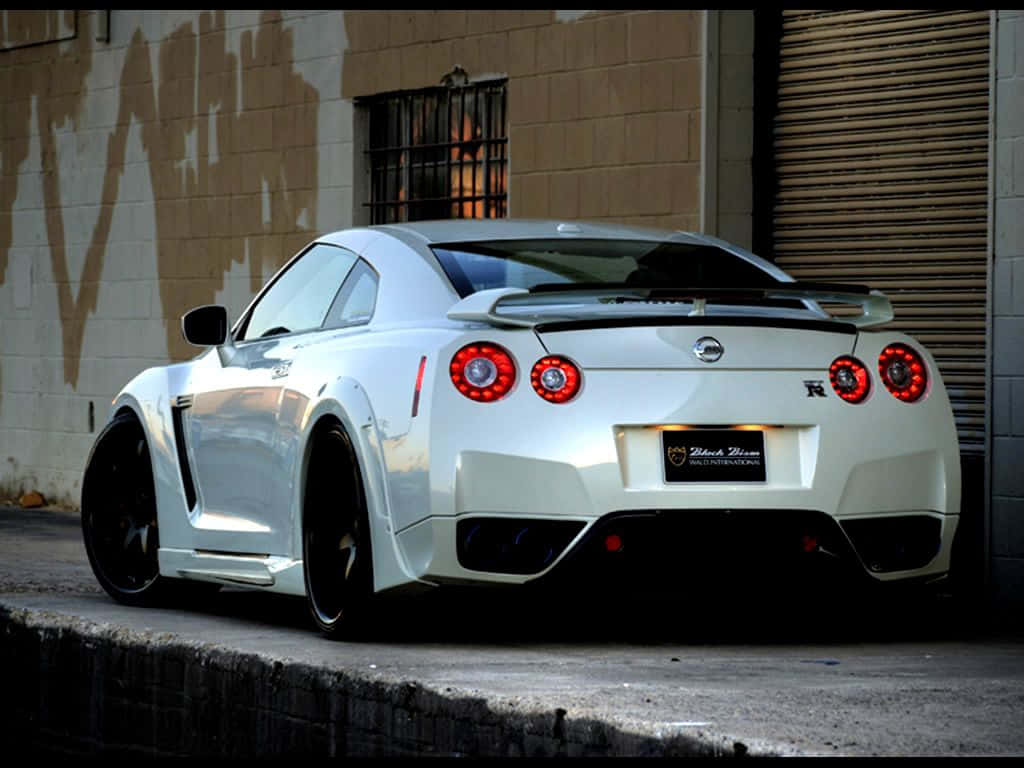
881,152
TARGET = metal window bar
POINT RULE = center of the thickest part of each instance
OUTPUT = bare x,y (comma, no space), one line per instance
419,139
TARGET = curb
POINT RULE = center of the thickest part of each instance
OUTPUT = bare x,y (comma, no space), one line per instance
89,688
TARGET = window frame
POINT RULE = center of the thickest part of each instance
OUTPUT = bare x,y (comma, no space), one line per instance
391,161
360,268
243,322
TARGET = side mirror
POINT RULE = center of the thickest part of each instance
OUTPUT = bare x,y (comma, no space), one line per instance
205,326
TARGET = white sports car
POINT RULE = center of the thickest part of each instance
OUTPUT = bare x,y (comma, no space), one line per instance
506,402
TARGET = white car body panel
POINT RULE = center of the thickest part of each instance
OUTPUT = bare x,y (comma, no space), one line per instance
252,408
822,454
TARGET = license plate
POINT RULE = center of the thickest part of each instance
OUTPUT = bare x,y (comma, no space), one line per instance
713,455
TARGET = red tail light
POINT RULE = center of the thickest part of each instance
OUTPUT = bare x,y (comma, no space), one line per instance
903,372
483,371
849,378
555,379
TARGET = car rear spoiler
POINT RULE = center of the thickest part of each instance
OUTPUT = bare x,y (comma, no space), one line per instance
482,306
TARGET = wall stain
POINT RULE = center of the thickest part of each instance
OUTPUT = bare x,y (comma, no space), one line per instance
31,27
253,195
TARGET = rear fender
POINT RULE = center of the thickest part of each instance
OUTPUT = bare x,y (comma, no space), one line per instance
346,401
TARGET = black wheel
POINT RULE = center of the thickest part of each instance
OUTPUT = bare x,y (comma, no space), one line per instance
119,521
337,562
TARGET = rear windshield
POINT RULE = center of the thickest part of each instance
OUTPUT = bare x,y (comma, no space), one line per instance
476,267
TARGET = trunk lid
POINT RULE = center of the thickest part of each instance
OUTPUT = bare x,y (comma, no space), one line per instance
672,346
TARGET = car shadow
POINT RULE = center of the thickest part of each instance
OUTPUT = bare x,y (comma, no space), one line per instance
487,616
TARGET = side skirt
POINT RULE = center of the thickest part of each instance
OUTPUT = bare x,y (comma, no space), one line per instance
267,572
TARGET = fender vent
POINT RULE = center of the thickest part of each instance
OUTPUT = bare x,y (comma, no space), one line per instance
183,465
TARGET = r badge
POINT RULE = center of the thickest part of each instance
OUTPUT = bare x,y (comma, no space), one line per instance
815,388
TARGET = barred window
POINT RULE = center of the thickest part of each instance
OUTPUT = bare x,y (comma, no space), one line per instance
439,153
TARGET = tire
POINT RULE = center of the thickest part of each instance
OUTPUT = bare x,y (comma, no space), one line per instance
119,517
337,561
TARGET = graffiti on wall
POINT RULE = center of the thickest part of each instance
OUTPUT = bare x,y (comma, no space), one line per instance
231,146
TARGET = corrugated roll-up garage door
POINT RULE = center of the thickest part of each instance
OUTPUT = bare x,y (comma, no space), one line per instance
881,142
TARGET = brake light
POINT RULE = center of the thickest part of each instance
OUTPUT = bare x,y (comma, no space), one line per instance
903,372
555,379
849,378
483,371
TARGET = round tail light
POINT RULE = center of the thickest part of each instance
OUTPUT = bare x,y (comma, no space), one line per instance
849,378
555,379
903,372
483,371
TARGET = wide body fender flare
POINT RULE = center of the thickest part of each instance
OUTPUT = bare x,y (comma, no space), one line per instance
345,400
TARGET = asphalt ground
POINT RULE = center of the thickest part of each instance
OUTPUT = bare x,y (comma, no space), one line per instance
791,675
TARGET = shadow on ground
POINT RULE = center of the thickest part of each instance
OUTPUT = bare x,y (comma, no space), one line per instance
481,617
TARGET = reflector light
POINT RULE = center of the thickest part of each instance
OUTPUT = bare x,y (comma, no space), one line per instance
613,542
809,543
555,379
480,372
483,371
903,372
849,378
419,385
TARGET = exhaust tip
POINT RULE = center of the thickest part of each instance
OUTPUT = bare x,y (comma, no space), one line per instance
511,545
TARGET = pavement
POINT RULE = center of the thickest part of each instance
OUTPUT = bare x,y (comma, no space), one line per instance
698,675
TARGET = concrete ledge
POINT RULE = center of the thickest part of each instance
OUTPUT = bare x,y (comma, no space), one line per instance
78,686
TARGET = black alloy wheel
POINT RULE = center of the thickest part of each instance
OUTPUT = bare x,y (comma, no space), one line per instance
337,561
119,519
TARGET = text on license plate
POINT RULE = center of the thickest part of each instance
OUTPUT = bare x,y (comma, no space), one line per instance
713,455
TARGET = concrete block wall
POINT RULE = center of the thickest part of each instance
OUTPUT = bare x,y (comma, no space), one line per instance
736,127
603,107
178,164
1007,456
182,161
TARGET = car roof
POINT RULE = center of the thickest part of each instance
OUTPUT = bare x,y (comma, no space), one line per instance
468,230
420,235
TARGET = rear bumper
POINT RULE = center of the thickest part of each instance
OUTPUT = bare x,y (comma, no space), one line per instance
675,550
665,551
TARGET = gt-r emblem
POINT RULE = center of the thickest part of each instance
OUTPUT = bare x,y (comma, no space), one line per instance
677,455
815,388
708,349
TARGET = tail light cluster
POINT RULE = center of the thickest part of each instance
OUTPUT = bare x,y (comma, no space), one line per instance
483,372
901,369
555,379
849,378
486,372
903,372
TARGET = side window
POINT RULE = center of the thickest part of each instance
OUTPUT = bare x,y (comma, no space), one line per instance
299,298
355,301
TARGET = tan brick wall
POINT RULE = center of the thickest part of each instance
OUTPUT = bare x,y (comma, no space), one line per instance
27,27
178,164
604,110
181,162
